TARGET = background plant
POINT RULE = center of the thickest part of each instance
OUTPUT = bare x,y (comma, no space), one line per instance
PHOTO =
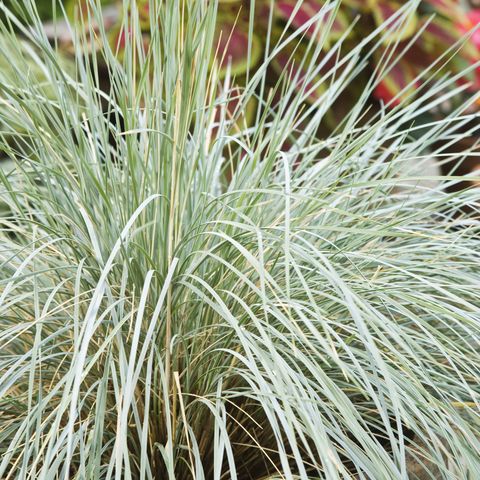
434,26
184,294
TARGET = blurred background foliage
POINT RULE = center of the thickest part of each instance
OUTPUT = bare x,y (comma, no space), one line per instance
44,7
437,32
432,33
437,27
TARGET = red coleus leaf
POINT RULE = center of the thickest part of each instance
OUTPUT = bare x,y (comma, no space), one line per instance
471,21
438,34
232,42
286,9
383,12
448,8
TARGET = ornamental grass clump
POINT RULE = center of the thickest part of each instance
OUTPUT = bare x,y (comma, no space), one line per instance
185,295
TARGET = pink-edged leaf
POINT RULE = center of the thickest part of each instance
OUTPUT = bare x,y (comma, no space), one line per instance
396,87
383,12
440,34
477,84
232,43
286,9
470,22
447,8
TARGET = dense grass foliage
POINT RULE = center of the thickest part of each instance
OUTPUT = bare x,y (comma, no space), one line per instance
183,295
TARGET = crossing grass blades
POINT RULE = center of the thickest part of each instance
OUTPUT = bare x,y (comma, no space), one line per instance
209,298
